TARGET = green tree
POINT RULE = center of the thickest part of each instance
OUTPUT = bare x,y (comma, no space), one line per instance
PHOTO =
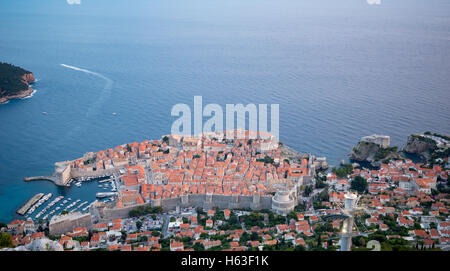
343,171
11,80
300,248
359,184
320,182
6,240
324,196
198,247
308,190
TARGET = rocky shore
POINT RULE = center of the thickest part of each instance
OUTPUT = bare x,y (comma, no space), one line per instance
420,146
26,79
21,94
429,147
373,153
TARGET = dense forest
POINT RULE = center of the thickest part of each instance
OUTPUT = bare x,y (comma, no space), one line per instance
11,79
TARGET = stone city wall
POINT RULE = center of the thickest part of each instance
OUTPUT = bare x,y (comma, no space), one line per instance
78,173
203,201
63,226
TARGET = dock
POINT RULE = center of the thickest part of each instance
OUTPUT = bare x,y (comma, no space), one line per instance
105,180
53,178
105,194
22,210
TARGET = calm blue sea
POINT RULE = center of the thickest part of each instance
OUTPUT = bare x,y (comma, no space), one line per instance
338,69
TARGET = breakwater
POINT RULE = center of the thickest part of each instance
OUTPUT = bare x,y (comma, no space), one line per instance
22,210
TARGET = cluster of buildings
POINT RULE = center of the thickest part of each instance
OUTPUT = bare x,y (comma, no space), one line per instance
402,200
408,213
407,193
123,235
211,164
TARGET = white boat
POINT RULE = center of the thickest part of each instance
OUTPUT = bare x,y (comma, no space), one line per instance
87,207
53,202
39,203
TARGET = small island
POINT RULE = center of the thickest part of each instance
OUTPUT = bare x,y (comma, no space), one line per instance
14,82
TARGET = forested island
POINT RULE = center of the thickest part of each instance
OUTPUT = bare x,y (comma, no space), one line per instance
14,82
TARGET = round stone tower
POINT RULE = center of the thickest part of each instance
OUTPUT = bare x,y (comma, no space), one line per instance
283,202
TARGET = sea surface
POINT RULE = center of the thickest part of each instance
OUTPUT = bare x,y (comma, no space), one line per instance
339,70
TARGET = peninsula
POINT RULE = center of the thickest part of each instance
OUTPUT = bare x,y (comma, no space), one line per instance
205,171
14,82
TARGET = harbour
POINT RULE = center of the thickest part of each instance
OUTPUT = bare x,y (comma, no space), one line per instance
84,192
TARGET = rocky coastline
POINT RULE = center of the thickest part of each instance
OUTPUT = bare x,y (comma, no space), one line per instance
426,146
27,79
429,147
373,153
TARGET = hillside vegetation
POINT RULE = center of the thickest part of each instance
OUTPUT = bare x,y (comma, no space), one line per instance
11,79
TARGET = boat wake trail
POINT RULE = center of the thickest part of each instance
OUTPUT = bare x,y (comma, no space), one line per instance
105,93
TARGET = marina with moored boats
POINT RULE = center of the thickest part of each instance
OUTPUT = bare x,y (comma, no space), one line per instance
39,203
36,209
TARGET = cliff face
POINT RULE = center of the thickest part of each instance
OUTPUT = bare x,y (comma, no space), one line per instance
421,146
373,153
364,151
28,77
